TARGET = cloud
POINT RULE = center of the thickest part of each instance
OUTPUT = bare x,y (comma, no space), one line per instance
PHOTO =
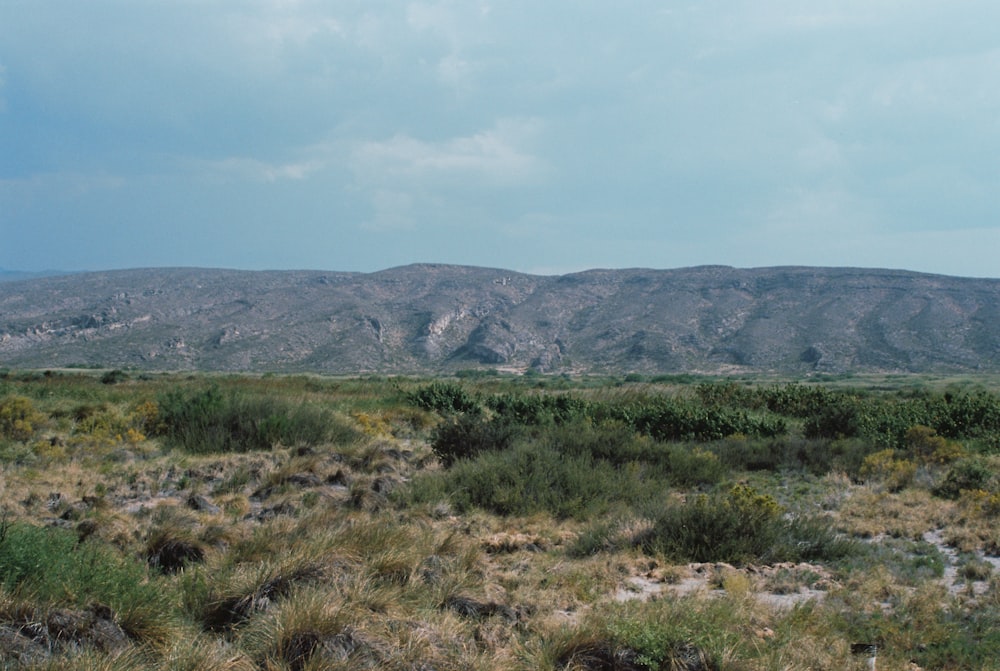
65,185
821,213
443,185
496,157
241,168
393,211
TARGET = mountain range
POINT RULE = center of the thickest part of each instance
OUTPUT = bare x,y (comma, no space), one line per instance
429,318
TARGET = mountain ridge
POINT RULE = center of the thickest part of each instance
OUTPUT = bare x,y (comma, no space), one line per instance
427,317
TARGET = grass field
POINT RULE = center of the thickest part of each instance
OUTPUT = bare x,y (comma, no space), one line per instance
492,521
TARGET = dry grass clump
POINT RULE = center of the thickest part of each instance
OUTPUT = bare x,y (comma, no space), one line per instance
589,652
909,513
171,542
309,629
202,652
230,600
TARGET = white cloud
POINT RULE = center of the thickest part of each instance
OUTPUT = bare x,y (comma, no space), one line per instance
459,23
393,211
460,27
55,186
819,214
454,70
438,185
819,153
433,17
268,39
241,168
499,156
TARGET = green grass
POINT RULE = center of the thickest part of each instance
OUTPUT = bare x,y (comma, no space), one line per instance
51,567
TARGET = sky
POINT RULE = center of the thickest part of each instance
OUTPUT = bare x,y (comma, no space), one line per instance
542,137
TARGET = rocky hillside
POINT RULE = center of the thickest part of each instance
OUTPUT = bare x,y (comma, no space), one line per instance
426,318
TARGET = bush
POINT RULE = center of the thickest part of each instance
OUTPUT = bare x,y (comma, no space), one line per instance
467,436
840,418
675,419
209,421
537,410
726,394
958,415
680,634
18,418
444,398
738,527
847,454
610,441
885,467
114,377
809,538
795,400
965,474
694,467
924,443
528,478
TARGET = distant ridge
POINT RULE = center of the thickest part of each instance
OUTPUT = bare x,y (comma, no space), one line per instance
16,275
432,318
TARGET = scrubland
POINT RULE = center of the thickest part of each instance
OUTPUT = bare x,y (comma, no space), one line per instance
491,521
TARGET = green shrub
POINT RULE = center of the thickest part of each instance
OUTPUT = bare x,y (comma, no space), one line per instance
18,418
535,409
693,467
114,377
726,394
739,526
678,419
209,421
965,415
814,538
595,538
676,634
848,454
884,466
529,478
739,453
796,400
817,456
924,443
614,443
467,436
886,421
445,398
611,441
838,418
966,474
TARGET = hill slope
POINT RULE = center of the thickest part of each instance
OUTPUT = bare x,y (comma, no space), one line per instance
425,318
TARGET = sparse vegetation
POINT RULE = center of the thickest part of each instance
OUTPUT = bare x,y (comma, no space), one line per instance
492,521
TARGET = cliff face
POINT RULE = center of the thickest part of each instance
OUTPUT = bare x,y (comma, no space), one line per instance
428,318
